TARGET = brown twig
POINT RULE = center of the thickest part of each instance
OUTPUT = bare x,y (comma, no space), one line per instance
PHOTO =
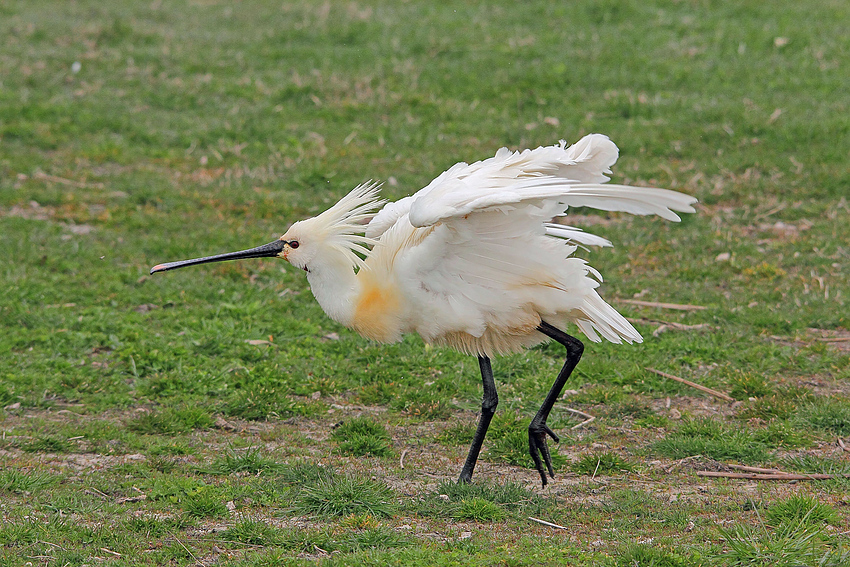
676,306
705,389
545,523
670,324
401,460
95,491
756,469
138,498
679,327
842,445
52,544
587,418
680,462
781,205
186,549
758,476
71,182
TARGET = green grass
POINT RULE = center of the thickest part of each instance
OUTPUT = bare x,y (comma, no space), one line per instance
479,510
602,464
362,436
714,439
251,460
787,547
171,420
829,415
508,435
20,481
649,556
346,495
802,510
482,502
189,418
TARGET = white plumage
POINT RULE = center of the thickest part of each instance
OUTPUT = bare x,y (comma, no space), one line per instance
473,261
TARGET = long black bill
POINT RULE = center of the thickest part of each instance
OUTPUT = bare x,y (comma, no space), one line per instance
269,250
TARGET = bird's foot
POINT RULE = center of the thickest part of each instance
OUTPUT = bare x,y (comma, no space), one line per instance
537,433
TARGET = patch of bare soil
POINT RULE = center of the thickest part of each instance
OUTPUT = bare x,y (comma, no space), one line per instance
838,339
421,464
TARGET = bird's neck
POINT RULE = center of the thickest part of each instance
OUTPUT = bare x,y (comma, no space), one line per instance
334,285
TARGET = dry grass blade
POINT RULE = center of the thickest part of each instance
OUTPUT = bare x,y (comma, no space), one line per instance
588,419
759,476
669,325
69,182
661,305
755,469
545,523
700,387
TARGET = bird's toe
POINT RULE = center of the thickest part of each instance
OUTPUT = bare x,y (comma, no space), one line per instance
540,455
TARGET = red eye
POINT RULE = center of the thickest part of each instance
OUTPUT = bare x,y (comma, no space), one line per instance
293,244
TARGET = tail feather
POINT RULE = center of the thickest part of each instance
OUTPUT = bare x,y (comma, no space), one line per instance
621,198
589,159
607,321
576,235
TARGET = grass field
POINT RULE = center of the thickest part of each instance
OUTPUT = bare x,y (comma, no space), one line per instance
216,416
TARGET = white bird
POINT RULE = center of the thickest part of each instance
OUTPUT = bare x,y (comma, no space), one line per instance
474,262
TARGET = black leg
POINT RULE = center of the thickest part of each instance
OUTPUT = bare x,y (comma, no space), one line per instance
538,430
488,407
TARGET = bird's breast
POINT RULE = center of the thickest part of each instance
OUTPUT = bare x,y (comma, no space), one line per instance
378,310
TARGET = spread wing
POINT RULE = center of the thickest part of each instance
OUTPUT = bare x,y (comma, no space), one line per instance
388,216
572,176
554,177
475,245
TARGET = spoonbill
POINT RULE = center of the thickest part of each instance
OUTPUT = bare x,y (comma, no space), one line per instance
473,261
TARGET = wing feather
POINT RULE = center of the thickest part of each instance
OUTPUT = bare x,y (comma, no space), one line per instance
554,176
476,252
388,216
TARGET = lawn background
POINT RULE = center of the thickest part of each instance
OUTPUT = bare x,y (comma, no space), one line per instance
193,409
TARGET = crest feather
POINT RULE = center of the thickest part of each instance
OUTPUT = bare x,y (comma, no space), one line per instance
342,226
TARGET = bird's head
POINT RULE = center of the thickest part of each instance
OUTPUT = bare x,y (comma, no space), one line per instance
334,236
301,245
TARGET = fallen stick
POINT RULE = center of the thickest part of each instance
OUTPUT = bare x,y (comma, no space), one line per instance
545,523
679,327
137,498
705,389
680,462
401,460
842,445
587,417
670,324
676,306
756,469
96,492
758,476
63,181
